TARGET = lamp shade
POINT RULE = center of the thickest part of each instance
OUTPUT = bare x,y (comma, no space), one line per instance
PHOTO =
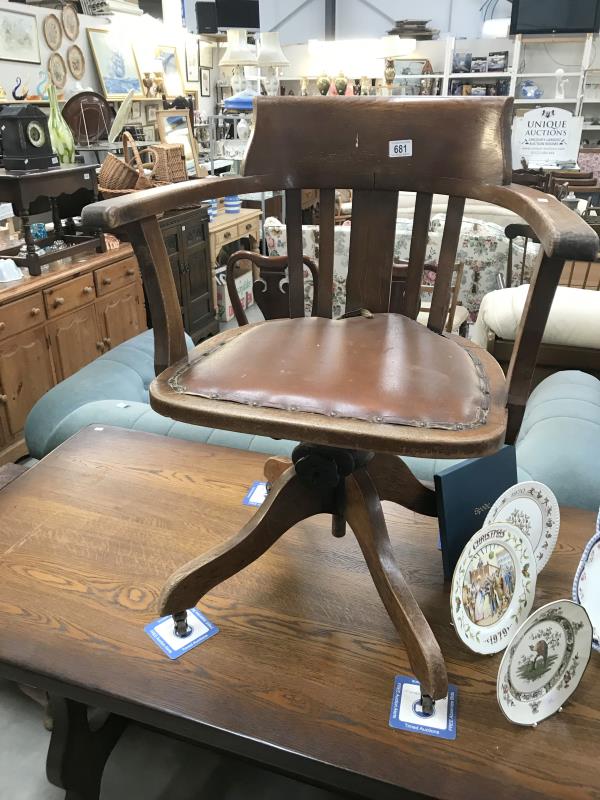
395,47
270,53
238,51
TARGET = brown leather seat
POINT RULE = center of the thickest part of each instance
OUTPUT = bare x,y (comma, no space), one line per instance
387,371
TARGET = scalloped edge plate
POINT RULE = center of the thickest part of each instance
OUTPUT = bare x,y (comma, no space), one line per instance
543,539
529,708
493,638
591,555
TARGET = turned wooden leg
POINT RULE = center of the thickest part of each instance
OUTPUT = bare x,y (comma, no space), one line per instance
77,754
365,517
276,466
395,482
289,502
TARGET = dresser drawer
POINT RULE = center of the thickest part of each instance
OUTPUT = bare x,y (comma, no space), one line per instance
116,275
225,237
21,315
249,228
69,295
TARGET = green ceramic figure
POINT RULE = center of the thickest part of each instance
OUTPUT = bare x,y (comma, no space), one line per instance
61,137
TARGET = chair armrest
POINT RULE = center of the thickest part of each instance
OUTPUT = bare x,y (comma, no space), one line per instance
120,211
562,232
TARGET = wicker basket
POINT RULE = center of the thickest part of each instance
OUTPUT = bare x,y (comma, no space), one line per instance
170,163
117,176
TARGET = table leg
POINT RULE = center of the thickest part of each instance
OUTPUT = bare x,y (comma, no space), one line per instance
79,750
31,257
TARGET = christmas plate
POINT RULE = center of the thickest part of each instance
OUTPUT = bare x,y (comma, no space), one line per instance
586,587
533,508
544,663
492,587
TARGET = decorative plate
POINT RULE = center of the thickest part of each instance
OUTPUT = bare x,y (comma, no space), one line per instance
76,62
52,31
70,22
544,663
493,587
57,69
533,508
586,586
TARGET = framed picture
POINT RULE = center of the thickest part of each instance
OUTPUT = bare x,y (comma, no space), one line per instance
149,132
167,55
498,61
175,127
135,112
151,113
404,82
192,60
205,55
461,62
479,64
115,61
19,37
192,96
204,82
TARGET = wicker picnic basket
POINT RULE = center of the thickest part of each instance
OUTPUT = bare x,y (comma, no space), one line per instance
169,163
119,176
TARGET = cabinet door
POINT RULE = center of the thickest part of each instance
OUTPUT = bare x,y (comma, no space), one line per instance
119,316
75,341
25,375
197,278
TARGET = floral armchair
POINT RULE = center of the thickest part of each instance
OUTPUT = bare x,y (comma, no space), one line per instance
483,249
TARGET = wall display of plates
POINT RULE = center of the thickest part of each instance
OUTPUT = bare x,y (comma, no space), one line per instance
52,31
76,62
493,587
532,508
57,70
544,662
70,22
586,586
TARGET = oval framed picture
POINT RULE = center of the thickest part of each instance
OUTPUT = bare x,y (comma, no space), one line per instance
70,22
57,69
493,587
76,62
52,31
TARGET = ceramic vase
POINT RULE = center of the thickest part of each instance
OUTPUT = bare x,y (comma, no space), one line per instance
323,84
389,73
61,137
237,82
341,84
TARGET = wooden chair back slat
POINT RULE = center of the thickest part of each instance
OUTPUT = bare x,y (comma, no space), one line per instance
440,300
587,275
326,250
293,206
376,143
416,258
371,256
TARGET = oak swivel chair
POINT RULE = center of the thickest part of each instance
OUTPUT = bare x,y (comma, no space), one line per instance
356,391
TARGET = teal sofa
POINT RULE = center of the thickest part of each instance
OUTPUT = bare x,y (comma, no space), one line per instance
559,443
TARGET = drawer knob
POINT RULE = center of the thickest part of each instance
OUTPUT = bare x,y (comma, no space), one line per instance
35,312
248,226
60,301
106,281
106,341
227,235
130,272
99,345
3,398
87,290
2,326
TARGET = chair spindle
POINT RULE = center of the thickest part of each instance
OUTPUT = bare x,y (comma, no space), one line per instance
416,258
293,210
372,240
326,239
440,300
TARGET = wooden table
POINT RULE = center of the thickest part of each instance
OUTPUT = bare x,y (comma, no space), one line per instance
300,676
23,188
227,228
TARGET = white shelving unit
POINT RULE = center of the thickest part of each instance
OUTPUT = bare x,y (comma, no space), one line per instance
533,58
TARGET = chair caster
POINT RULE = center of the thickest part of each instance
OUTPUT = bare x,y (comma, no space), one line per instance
181,629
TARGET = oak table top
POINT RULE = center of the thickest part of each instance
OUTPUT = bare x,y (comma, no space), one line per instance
300,676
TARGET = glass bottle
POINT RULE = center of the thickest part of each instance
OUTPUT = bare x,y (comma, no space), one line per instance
61,137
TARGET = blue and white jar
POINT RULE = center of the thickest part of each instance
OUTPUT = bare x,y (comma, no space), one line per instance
232,204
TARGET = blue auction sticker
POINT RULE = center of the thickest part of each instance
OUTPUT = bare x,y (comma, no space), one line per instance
407,713
162,631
